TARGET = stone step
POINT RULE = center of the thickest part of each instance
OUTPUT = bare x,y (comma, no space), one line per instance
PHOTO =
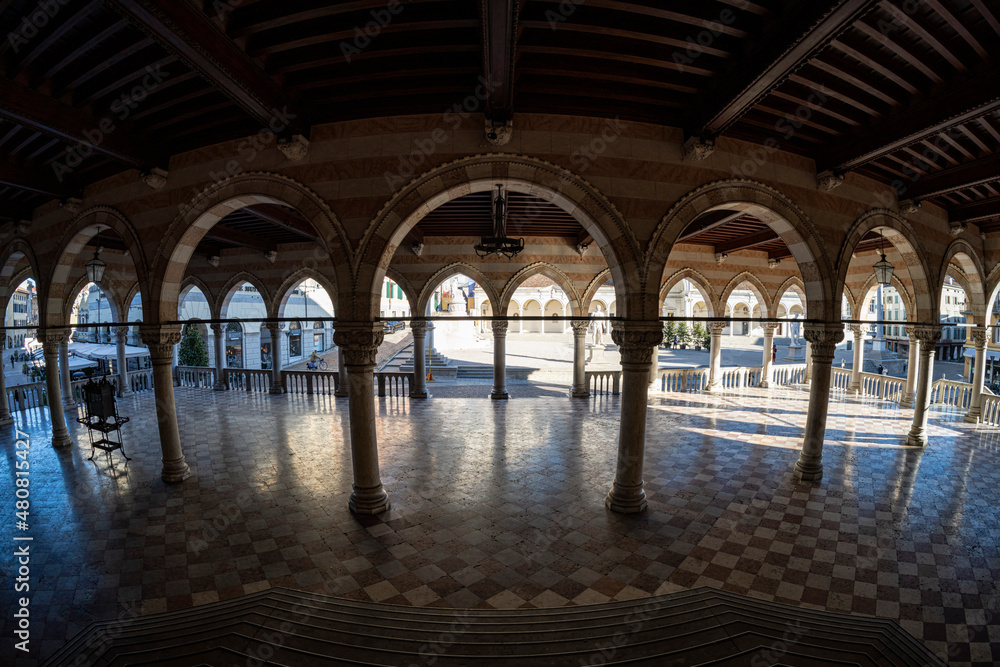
701,626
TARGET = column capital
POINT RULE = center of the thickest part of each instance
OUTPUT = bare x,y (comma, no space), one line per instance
580,327
160,340
823,337
122,332
418,327
359,342
636,340
770,328
500,327
53,338
925,333
216,327
715,328
857,329
980,337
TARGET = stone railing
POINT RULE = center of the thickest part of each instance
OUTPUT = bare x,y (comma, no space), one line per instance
788,374
885,387
683,379
991,410
141,380
195,376
310,382
737,377
25,396
247,379
950,392
399,384
841,379
604,382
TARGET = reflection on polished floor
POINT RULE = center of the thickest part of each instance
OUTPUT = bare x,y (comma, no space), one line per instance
502,505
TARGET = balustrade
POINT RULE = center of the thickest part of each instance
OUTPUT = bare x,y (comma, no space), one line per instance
196,376
310,382
604,382
247,379
950,392
398,383
26,396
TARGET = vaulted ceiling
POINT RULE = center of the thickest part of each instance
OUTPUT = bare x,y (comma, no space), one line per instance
900,90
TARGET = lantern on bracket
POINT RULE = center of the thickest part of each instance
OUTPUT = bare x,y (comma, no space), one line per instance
883,268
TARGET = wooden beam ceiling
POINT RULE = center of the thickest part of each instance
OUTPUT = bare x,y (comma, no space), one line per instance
963,176
975,211
708,222
499,19
284,219
224,234
27,178
747,242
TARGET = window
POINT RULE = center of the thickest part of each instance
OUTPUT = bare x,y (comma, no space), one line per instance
294,340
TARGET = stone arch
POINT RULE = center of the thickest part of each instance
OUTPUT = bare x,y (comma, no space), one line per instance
225,294
445,272
869,285
770,206
220,199
902,236
704,286
517,173
592,287
186,285
10,257
129,298
276,305
851,302
964,257
7,289
72,244
114,300
411,294
756,286
794,284
548,271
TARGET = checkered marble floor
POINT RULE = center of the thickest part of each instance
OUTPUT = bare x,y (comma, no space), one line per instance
501,504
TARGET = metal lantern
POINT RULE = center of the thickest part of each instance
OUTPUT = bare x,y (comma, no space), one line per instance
95,267
883,269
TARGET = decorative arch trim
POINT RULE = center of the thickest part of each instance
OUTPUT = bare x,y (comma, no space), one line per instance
547,270
870,284
114,301
186,285
756,286
412,295
276,306
961,254
792,282
445,272
225,294
703,284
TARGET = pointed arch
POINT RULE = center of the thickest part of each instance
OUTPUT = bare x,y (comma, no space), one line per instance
225,294
231,194
851,302
770,206
517,173
404,284
961,254
442,274
591,290
704,286
7,289
10,258
114,302
548,271
795,284
898,231
756,286
276,306
188,283
130,295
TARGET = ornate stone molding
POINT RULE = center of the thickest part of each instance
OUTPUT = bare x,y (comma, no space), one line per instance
827,181
160,340
636,340
580,327
500,327
697,149
418,327
823,338
769,328
296,148
715,328
72,205
980,337
122,332
908,206
359,343
926,334
155,178
52,339
858,330
499,133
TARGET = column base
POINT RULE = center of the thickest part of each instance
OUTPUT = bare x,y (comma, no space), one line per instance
4,421
61,440
499,395
340,394
130,392
218,387
175,471
916,439
808,470
418,394
626,500
764,384
971,418
69,407
906,401
369,501
713,387
580,393
276,389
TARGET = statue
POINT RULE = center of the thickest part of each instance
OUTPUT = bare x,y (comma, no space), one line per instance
597,327
794,331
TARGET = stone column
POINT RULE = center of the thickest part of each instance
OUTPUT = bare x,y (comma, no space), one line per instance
715,356
419,330
343,390
5,416
580,388
430,338
928,337
219,332
823,337
979,339
499,360
123,386
161,341
912,366
358,344
654,362
68,399
765,373
635,340
51,340
277,386
859,358
809,364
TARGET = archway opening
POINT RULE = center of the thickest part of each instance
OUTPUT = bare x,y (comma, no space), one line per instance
312,305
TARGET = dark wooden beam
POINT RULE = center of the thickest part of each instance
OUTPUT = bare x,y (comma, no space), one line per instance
975,211
747,242
499,41
24,178
282,218
196,39
963,176
960,103
236,237
810,26
106,136
711,221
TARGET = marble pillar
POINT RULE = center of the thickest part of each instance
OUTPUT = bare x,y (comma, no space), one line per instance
123,385
68,398
419,330
5,416
765,374
912,366
823,338
160,340
343,388
219,331
980,337
277,385
654,363
580,388
809,364
358,343
715,356
499,360
636,341
859,358
928,337
51,340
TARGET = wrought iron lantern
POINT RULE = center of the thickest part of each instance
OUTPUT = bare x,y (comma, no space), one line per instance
499,243
883,268
95,267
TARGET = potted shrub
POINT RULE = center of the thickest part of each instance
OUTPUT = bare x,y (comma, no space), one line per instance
683,335
698,335
668,333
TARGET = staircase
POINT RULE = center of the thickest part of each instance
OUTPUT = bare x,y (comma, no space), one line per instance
475,372
697,627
